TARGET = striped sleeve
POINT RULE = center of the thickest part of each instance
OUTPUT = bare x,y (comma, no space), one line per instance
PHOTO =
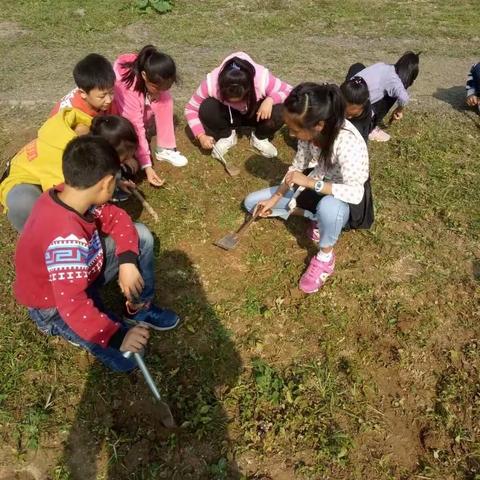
277,90
193,106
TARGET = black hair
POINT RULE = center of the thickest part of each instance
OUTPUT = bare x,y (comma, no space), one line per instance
118,131
355,91
157,66
237,80
407,68
88,159
313,103
94,71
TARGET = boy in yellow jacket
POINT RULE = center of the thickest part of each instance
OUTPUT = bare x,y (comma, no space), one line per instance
38,165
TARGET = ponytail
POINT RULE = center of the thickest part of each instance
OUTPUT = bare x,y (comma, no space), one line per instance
237,80
312,103
157,66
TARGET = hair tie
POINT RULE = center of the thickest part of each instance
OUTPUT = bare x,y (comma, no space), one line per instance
357,80
235,66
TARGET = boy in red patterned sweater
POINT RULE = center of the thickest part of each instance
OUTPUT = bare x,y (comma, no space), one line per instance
73,243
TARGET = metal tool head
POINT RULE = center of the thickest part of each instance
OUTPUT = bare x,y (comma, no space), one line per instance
230,169
228,242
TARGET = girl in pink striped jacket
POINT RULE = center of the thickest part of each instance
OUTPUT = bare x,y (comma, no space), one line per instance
238,93
142,96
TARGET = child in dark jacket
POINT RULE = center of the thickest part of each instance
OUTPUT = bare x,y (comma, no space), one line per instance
473,86
73,243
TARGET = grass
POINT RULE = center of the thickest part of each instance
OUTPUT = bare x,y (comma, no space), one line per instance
376,376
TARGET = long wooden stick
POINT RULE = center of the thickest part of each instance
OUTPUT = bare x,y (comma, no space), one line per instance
146,205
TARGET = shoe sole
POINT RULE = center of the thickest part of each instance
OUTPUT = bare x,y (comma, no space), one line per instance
129,321
171,163
264,154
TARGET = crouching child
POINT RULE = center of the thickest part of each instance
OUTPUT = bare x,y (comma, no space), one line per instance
75,242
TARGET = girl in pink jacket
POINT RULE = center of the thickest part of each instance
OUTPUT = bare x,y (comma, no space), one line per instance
238,93
142,94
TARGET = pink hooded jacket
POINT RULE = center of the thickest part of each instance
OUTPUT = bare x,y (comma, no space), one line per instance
266,85
137,108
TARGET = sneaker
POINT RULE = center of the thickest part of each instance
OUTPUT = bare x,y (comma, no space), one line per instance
316,274
172,156
313,232
223,145
120,196
379,135
265,147
154,317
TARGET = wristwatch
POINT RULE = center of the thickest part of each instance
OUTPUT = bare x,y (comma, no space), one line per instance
319,186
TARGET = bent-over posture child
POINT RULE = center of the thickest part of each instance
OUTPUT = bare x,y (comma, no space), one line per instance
73,243
388,84
358,109
330,167
143,96
473,86
238,93
94,79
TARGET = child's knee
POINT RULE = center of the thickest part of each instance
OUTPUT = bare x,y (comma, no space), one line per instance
327,210
249,202
145,237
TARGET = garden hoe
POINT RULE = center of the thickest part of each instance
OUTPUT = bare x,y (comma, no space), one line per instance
165,413
229,242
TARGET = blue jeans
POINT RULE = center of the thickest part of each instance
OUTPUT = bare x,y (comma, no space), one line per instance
20,201
331,215
50,322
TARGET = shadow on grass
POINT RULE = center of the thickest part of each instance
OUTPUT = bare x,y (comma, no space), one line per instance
194,367
454,96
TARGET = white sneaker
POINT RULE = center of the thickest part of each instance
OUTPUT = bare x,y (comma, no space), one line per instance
223,145
171,156
379,135
264,146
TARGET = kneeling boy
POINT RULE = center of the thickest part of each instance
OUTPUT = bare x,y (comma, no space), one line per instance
63,258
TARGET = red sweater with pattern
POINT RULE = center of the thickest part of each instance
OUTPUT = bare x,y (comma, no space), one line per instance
59,255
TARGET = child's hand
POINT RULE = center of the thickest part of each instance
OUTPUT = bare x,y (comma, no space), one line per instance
297,178
153,178
135,340
472,100
264,112
397,114
132,164
130,281
264,207
206,142
126,185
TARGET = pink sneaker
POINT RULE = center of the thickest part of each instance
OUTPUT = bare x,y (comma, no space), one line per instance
313,232
316,274
379,135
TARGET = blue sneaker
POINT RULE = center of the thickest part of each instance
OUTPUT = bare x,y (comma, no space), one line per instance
154,317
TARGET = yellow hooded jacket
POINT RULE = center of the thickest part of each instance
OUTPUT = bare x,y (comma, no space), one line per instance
40,161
